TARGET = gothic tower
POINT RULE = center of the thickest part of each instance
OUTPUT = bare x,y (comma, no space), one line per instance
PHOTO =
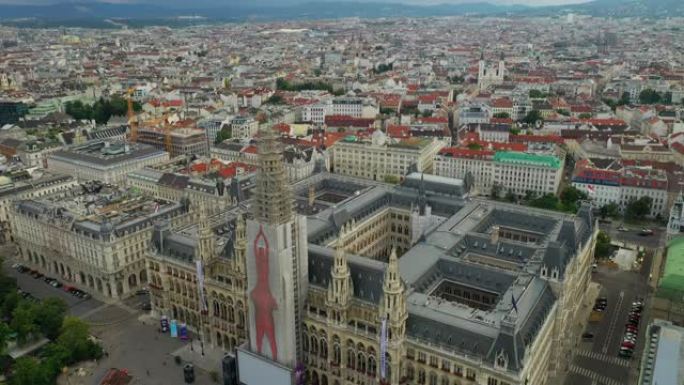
206,247
340,289
277,266
393,315
240,245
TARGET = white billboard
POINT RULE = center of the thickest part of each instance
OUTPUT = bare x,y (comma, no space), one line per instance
257,370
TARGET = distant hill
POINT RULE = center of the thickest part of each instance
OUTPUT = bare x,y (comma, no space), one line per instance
632,8
94,14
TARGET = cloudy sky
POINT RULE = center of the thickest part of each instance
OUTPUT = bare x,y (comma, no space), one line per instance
223,2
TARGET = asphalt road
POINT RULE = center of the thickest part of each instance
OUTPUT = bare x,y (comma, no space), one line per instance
633,235
597,362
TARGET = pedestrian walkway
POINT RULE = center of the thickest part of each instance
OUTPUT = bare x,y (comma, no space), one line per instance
602,357
594,377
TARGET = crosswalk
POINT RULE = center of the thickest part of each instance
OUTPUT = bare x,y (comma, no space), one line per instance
593,376
602,357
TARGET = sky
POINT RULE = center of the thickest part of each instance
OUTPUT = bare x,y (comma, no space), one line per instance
223,2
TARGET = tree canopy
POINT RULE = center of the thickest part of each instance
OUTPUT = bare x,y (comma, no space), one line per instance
532,117
603,247
101,110
639,208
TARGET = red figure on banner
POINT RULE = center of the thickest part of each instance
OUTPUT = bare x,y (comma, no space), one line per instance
264,303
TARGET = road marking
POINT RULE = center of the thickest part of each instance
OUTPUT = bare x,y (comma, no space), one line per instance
593,376
602,357
613,322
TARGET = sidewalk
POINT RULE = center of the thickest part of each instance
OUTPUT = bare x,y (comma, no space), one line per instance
192,353
593,292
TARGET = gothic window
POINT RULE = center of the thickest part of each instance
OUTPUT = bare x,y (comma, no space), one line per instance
351,362
372,369
421,376
324,348
337,354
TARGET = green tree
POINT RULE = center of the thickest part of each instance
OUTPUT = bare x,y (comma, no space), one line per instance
639,208
563,112
546,201
610,210
496,190
74,336
585,115
275,99
225,134
28,371
24,321
502,115
569,198
536,94
532,117
474,146
510,196
50,315
392,179
603,247
624,99
5,332
649,96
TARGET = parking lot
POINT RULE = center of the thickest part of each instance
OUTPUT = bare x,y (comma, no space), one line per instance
598,361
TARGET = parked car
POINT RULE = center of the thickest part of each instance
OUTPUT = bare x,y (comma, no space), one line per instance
587,336
146,306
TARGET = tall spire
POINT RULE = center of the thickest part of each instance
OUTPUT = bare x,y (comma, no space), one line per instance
205,242
340,289
393,284
273,201
240,244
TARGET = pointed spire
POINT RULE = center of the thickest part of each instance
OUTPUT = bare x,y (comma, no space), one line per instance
205,241
340,267
392,279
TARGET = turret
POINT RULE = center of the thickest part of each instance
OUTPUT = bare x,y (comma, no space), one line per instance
206,247
240,245
340,289
393,304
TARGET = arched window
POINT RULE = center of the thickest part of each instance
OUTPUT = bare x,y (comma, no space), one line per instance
433,378
324,348
361,360
421,376
372,368
314,345
337,354
351,358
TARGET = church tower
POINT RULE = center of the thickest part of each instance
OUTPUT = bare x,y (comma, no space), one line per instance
277,265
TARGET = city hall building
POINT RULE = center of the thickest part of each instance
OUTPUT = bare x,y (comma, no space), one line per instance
350,281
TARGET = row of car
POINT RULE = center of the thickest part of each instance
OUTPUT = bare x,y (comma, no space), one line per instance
51,281
631,330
